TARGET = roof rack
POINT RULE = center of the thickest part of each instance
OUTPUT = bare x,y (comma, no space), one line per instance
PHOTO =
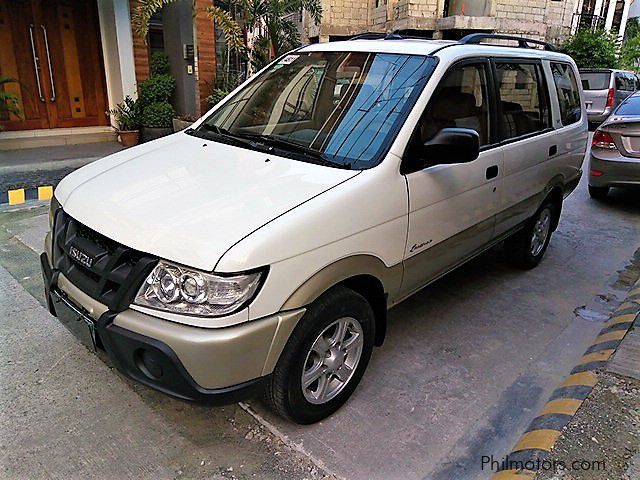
385,36
477,38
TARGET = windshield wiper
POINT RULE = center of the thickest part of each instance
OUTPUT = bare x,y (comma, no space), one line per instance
283,144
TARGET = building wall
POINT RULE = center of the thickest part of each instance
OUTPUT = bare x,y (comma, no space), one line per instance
542,19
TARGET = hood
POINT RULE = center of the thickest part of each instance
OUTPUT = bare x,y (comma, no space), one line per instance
189,200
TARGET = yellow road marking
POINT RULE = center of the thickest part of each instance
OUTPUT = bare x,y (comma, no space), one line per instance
582,378
596,356
514,475
540,439
16,196
608,337
45,193
566,406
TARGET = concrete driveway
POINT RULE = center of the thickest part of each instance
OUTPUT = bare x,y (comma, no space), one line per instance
466,364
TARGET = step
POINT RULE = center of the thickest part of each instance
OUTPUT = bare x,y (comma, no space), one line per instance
14,140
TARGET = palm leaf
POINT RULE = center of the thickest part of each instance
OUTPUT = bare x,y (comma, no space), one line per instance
230,28
142,15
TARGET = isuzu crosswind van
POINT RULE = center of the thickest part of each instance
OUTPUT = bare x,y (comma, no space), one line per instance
259,251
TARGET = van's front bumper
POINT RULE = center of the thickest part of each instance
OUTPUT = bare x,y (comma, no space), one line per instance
218,366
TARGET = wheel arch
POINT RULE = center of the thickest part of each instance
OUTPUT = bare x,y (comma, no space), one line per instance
364,274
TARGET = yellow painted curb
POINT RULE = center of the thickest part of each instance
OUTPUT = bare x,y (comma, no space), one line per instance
16,197
514,475
582,378
627,317
539,439
600,356
611,336
566,406
45,193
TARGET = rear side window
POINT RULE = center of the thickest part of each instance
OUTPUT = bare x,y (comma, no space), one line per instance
523,99
631,106
595,80
568,93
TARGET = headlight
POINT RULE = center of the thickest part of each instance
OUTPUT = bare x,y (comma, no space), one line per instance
53,208
191,292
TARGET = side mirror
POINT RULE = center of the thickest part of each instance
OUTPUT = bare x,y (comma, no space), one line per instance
451,145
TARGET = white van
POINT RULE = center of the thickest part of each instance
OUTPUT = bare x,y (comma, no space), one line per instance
259,250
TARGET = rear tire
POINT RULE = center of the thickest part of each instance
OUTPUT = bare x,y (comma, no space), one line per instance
332,367
526,248
598,193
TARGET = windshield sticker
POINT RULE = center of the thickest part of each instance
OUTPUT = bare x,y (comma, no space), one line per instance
288,59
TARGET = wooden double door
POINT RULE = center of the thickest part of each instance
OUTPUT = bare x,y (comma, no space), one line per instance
53,49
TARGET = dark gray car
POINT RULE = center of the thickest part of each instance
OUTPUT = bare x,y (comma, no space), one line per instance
604,90
614,160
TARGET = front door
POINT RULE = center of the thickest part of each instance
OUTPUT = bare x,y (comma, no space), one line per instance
52,47
453,207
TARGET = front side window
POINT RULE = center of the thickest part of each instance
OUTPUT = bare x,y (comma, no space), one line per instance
523,102
339,108
568,93
460,100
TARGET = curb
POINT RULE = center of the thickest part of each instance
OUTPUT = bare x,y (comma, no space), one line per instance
536,443
21,195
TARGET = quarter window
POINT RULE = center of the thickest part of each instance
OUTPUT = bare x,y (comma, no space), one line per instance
568,93
523,102
461,100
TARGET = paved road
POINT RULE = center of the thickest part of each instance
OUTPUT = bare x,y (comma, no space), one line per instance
466,364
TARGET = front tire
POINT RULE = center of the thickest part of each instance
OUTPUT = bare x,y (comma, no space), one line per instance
598,193
324,359
526,248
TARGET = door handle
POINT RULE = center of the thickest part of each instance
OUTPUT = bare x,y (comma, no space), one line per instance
35,63
46,44
492,172
553,150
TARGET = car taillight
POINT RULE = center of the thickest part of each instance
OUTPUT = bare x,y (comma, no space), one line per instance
610,98
603,140
596,173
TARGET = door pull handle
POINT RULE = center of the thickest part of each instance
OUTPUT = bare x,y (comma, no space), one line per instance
46,44
553,150
492,172
36,67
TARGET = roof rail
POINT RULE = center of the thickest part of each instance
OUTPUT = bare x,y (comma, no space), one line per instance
477,38
378,36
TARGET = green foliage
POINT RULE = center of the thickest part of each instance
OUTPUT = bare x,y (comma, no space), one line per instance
143,13
9,103
128,114
216,96
159,64
632,29
158,115
592,49
630,54
158,88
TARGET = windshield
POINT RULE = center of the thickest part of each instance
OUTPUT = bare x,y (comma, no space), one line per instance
336,108
595,80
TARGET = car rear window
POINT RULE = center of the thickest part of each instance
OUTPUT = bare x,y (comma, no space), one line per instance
595,80
631,106
568,93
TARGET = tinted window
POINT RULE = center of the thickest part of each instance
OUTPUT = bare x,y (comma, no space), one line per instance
568,93
595,80
631,106
346,106
523,103
460,101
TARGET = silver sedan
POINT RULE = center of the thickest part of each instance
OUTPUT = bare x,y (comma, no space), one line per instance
614,160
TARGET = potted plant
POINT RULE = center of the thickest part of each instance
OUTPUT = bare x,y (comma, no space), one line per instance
155,92
183,121
127,117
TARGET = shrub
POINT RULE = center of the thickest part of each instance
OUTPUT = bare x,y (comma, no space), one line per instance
127,114
216,96
592,49
158,88
158,115
159,64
